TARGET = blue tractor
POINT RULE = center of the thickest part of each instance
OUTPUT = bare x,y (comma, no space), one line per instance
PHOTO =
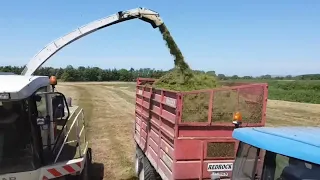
277,153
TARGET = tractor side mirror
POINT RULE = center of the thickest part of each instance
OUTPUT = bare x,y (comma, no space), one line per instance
58,105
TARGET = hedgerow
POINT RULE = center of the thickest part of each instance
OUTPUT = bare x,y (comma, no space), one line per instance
306,91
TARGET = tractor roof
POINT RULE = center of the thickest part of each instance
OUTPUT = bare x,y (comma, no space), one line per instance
21,87
298,142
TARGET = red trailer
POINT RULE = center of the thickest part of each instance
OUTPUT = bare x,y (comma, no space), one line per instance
188,135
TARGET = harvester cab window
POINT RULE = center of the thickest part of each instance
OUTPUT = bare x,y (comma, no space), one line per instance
12,117
42,103
52,114
43,117
8,115
15,137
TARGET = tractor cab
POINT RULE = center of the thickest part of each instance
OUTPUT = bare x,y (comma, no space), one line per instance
280,153
30,112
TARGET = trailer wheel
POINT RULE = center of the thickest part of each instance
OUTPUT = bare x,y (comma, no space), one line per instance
148,172
138,164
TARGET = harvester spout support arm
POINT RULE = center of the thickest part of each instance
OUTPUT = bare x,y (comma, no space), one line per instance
143,14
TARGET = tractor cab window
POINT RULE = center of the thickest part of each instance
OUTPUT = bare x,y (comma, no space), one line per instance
245,164
16,152
280,167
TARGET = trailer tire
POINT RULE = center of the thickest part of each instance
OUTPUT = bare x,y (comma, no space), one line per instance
148,172
138,163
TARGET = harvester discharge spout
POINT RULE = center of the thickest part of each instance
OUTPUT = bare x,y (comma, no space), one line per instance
143,14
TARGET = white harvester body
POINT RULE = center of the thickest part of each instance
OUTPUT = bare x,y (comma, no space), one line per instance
41,135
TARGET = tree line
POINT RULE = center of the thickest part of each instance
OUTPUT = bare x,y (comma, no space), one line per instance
82,73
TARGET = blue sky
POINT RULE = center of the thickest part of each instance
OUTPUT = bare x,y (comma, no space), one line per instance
230,37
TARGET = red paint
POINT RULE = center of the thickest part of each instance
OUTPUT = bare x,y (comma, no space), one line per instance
79,164
69,169
54,172
179,149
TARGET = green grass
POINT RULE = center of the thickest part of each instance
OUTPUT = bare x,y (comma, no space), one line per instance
307,91
179,81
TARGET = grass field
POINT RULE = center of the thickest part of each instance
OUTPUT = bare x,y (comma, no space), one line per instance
109,109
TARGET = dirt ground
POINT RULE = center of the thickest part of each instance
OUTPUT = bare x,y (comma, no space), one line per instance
109,110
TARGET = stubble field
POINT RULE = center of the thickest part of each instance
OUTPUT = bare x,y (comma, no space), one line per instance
109,110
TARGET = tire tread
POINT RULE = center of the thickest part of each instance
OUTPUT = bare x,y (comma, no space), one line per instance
149,172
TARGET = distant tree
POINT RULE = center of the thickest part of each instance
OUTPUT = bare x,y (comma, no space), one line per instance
247,77
213,73
266,76
124,75
288,77
235,77
222,77
82,73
